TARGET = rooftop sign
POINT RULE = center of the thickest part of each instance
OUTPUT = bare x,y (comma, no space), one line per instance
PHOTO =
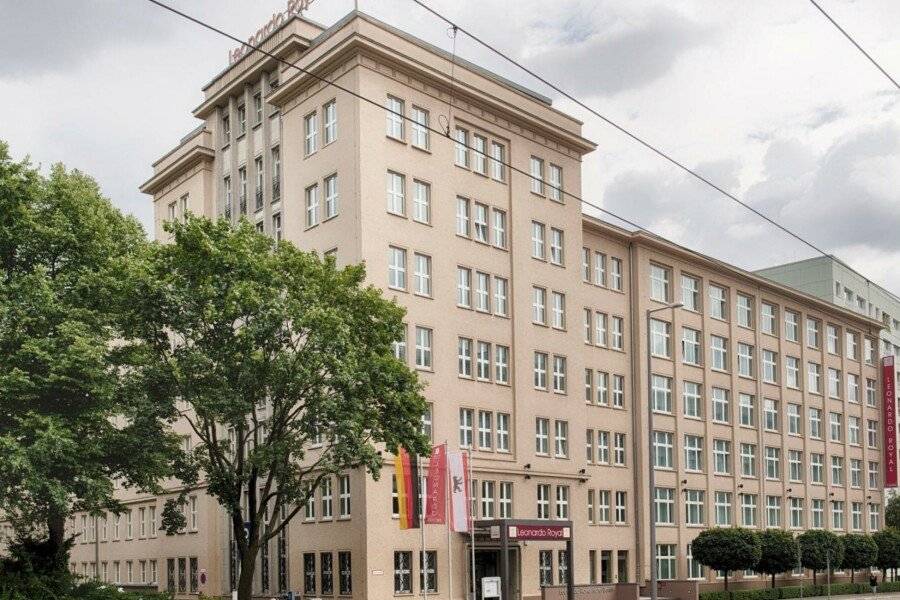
294,8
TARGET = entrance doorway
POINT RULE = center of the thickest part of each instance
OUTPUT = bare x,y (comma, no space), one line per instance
487,564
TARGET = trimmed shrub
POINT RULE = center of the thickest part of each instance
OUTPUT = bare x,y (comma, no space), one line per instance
715,595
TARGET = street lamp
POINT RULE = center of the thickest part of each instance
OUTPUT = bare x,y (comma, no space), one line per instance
650,456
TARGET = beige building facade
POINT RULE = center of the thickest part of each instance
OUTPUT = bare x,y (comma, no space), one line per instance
527,321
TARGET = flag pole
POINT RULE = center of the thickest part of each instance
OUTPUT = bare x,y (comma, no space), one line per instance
422,557
471,521
447,521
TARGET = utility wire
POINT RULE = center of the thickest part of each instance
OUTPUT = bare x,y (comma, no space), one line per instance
622,129
858,47
441,134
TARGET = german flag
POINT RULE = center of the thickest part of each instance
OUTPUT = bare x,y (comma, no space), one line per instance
406,469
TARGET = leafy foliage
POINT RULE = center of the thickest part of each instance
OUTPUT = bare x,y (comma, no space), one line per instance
860,552
819,548
65,429
282,365
892,513
778,552
727,549
888,543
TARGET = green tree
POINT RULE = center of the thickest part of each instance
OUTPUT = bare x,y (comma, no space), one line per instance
860,552
892,513
727,549
65,430
820,549
284,366
779,552
888,543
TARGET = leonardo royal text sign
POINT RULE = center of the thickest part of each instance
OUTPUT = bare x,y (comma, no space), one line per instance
890,422
294,7
539,532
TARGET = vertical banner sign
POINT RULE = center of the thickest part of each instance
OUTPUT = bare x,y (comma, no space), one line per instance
459,491
890,422
406,471
436,500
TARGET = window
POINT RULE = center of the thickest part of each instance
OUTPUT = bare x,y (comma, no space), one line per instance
329,116
258,107
599,269
619,449
621,513
817,513
815,423
327,499
344,496
837,514
770,366
540,370
555,183
501,296
422,274
615,274
537,240
837,470
659,283
506,499
773,463
312,206
853,431
482,292
694,507
464,354
480,223
345,574
873,474
744,310
603,447
665,561
719,352
559,374
557,252
773,511
466,418
539,305
541,436
814,377
852,346
543,501
870,392
747,410
562,502
791,326
402,573
693,453
691,352
664,504
311,131
690,292
396,268
834,383
812,333
660,334
558,310
722,457
562,439
662,394
462,150
855,473
464,287
748,460
502,432
603,506
793,419
816,468
479,154
662,450
770,414
796,513
852,388
874,517
835,426
487,499
718,305
871,433
746,368
421,202
395,112
545,567
423,347
768,318
691,399
694,568
498,159
500,240
420,132
617,332
792,372
501,364
462,216
618,391
832,339
537,175
396,193
720,406
586,265
748,510
723,508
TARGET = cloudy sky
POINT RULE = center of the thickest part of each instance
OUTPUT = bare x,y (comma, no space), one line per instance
765,98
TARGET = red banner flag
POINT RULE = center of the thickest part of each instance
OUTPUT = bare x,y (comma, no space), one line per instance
436,500
890,422
406,471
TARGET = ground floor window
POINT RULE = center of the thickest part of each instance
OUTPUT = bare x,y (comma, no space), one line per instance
309,573
622,565
695,569
545,567
403,572
665,561
428,571
345,572
563,567
326,565
170,575
194,572
282,561
606,566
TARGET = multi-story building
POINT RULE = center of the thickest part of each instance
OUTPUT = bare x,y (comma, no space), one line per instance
831,279
526,320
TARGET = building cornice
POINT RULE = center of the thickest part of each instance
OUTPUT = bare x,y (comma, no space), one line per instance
192,157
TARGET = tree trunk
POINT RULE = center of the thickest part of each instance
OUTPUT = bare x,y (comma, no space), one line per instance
248,569
773,581
726,580
56,538
852,575
814,577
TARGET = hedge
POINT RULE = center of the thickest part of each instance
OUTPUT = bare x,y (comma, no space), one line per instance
794,591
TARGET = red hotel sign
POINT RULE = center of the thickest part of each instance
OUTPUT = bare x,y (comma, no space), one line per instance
890,421
539,532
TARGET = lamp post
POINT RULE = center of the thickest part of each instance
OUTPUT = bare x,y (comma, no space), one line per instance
650,456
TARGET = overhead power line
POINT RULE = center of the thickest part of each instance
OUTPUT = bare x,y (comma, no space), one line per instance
441,134
858,47
620,128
